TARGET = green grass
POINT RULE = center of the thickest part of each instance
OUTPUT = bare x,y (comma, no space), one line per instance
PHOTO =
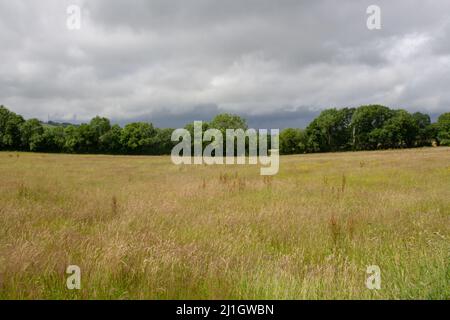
141,227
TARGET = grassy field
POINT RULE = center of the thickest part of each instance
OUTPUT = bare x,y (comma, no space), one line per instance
141,227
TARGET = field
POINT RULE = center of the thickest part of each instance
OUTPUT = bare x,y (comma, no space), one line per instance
141,227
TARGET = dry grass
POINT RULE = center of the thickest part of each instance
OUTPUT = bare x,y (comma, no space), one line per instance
141,227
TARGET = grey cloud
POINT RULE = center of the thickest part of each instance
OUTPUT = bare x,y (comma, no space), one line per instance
169,61
279,119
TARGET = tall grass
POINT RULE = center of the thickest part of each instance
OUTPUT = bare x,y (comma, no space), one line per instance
141,227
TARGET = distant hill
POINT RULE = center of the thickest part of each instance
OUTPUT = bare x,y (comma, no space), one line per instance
58,124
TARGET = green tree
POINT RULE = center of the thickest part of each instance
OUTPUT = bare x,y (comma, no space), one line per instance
10,123
190,127
88,139
31,134
443,127
228,121
402,129
365,119
163,141
72,139
53,139
138,138
292,141
426,132
100,126
109,141
330,131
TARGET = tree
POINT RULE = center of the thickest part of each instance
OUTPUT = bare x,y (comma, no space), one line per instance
225,121
138,138
426,132
292,141
398,132
109,142
163,141
190,127
100,126
72,139
88,140
53,139
10,130
228,121
365,119
443,127
403,129
365,128
330,131
31,134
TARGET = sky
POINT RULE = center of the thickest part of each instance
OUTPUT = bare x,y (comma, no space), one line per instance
170,62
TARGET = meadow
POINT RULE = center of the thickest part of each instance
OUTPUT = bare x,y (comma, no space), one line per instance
143,228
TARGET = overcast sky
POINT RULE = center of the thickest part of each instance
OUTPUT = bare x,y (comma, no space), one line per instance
170,62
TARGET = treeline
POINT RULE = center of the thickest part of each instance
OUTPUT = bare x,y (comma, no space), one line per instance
365,128
369,127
